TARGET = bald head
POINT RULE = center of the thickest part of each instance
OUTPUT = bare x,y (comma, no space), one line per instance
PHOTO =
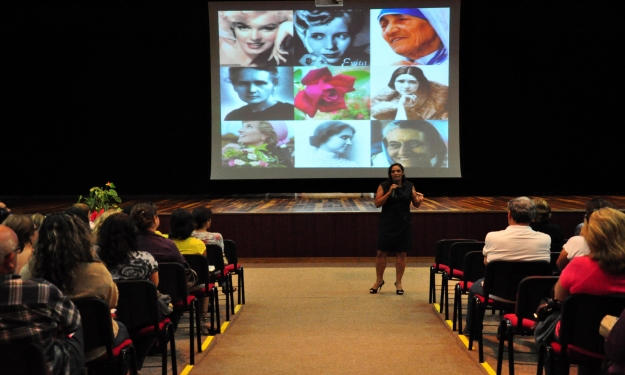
8,244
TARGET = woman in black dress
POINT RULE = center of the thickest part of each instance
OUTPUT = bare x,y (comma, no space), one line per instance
395,228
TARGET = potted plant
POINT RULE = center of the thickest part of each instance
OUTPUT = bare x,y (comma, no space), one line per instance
101,199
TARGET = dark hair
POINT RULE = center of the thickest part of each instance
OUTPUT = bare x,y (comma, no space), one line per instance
522,209
543,210
413,71
432,137
142,215
597,203
234,73
324,131
4,213
64,242
304,19
403,177
116,239
201,216
23,226
181,224
79,212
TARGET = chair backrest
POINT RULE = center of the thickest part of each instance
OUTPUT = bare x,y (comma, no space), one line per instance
458,250
137,306
554,265
172,281
230,249
199,264
22,358
96,322
556,246
529,294
581,317
502,278
473,267
214,254
442,250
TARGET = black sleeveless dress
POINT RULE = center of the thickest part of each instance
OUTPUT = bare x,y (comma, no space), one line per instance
395,226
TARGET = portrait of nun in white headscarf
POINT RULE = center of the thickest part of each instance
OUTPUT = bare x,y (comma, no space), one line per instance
420,36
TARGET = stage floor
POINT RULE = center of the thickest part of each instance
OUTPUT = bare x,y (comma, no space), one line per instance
302,203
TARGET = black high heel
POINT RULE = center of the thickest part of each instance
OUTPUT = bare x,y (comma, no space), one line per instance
375,290
399,291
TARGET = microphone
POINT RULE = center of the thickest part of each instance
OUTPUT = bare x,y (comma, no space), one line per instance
393,194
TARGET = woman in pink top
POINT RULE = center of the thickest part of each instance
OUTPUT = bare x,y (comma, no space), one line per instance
603,270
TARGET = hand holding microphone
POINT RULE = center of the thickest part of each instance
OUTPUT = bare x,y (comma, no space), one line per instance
393,187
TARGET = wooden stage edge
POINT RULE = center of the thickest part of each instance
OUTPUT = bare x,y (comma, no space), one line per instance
327,203
331,231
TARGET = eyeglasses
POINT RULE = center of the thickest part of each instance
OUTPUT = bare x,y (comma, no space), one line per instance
17,250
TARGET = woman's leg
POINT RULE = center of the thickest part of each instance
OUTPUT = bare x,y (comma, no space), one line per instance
380,266
400,266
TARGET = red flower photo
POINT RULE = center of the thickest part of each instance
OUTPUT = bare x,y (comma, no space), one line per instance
323,92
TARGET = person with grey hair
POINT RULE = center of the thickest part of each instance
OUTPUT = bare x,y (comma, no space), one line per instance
414,144
518,242
54,324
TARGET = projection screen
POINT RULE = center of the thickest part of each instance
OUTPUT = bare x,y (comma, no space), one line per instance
301,91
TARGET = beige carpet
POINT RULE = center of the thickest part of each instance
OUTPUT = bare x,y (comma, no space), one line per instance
322,320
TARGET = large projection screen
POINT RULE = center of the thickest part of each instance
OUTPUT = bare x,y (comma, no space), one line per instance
300,91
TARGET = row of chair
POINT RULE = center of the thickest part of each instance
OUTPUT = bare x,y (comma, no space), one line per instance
519,287
138,309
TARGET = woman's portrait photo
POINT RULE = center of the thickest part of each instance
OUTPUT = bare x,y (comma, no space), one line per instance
414,144
332,144
331,93
410,36
257,93
408,94
263,144
338,37
256,38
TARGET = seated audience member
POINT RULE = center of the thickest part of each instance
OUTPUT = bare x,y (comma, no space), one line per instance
36,311
592,205
81,211
117,242
203,218
24,228
62,255
145,217
37,219
602,272
97,223
615,347
576,246
518,242
181,227
4,212
542,223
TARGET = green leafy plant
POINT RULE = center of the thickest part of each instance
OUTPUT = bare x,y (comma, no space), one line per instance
101,198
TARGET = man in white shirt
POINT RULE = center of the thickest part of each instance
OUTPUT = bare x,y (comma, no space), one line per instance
518,242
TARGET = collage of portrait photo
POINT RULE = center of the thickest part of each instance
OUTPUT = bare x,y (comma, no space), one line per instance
334,87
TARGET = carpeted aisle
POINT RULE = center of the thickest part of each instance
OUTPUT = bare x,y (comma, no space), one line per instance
321,319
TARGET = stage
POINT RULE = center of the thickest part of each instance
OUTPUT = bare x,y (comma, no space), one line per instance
302,226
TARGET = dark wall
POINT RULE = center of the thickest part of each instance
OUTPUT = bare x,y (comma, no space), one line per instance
118,91
353,234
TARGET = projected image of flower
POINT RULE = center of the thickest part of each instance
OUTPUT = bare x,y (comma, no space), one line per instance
332,93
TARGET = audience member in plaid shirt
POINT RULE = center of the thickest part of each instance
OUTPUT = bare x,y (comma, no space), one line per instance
36,311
